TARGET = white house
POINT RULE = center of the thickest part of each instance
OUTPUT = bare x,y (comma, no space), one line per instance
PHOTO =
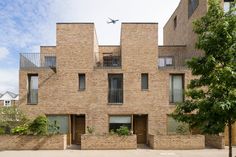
8,98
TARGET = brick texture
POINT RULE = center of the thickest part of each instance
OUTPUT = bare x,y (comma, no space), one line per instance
173,142
215,141
22,142
108,142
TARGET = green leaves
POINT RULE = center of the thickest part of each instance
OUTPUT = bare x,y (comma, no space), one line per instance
211,101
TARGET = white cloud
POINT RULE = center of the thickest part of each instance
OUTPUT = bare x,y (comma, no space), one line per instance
9,80
3,52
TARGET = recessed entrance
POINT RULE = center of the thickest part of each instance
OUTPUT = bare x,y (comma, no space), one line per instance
77,128
140,128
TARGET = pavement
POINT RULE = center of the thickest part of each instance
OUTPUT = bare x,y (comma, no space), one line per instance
119,153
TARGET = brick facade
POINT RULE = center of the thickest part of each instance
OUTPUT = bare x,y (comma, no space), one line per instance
77,51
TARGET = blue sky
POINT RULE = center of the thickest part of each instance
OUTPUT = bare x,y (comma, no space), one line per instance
27,24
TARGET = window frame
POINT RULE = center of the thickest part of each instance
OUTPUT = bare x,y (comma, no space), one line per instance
131,121
171,97
165,63
80,75
7,104
143,75
29,89
120,91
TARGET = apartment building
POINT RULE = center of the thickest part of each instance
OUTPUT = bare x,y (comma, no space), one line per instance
81,84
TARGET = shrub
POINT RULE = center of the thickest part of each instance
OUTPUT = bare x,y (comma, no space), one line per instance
2,131
182,129
39,126
53,128
21,130
90,130
123,131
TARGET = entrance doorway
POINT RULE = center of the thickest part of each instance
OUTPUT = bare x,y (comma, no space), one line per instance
77,128
140,128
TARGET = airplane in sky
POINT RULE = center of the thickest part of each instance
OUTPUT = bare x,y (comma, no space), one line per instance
112,21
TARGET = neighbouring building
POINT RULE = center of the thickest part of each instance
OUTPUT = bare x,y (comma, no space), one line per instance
81,84
8,99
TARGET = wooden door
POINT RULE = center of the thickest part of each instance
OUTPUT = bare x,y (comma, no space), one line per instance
140,129
79,128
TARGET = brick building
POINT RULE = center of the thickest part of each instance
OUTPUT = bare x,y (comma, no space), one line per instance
81,84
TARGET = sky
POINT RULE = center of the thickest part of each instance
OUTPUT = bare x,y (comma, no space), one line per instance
27,24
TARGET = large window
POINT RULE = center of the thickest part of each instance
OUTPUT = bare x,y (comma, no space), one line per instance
115,122
82,82
32,89
174,127
176,88
144,81
192,5
61,121
115,94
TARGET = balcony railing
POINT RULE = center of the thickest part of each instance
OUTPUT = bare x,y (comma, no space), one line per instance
37,60
109,62
115,96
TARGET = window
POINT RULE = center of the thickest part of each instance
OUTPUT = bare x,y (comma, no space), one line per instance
82,82
174,127
228,4
144,81
50,61
61,121
32,89
115,122
165,61
176,88
192,5
175,22
115,83
7,103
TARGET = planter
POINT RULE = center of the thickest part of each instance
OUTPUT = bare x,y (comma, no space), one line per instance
215,141
30,142
175,142
101,142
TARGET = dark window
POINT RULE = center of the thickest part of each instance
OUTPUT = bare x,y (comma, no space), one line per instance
115,94
50,61
175,22
144,81
82,82
192,5
32,89
115,122
176,88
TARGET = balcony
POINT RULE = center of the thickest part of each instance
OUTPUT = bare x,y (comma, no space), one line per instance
109,62
37,60
115,96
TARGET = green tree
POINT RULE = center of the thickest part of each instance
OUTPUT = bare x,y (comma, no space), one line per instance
211,96
10,117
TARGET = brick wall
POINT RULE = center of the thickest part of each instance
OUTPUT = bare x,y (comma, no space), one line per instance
22,142
173,142
108,142
215,141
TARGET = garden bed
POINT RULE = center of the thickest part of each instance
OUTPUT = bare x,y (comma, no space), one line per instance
101,142
30,142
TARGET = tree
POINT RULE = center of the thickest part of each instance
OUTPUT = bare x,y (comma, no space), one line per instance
211,96
10,117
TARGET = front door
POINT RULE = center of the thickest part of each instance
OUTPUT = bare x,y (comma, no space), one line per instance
79,128
140,128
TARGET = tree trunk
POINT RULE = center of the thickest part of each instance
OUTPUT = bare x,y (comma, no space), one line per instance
230,137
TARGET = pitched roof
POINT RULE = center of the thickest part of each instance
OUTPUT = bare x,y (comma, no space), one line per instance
13,95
